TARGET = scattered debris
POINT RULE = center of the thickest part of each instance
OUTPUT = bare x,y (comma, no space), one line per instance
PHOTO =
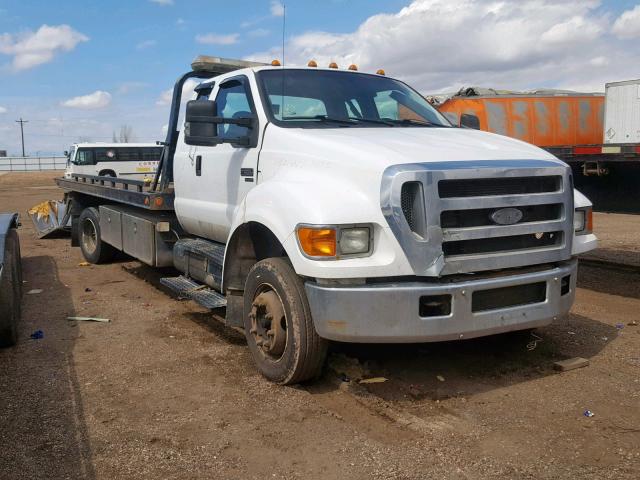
534,342
605,338
37,335
374,380
89,319
571,364
35,291
571,333
440,377
632,323
588,413
619,326
50,216
88,290
348,367
84,264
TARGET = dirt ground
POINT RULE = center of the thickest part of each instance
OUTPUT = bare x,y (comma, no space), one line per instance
164,391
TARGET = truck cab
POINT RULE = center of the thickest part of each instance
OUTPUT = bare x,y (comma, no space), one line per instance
334,205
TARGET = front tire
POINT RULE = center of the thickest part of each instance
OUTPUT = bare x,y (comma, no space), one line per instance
94,250
10,291
278,324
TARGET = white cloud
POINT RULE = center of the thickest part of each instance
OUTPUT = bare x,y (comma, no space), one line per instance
3,110
214,39
259,32
97,99
439,45
30,49
187,92
127,87
277,8
146,44
628,24
163,3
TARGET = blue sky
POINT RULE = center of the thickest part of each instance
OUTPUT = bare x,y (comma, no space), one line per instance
78,70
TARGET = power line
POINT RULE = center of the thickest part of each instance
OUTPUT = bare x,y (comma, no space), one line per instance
22,122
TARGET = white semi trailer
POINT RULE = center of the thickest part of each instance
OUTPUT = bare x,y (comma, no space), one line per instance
325,205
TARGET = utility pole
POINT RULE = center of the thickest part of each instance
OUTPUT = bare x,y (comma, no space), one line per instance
22,122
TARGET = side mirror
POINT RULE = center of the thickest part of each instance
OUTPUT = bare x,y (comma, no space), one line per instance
200,123
201,126
66,153
468,120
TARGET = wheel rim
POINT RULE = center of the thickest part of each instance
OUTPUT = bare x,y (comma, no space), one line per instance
268,322
89,235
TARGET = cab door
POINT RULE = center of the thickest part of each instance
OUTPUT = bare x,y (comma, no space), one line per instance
211,182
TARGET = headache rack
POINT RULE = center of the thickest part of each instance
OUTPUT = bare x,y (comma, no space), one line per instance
136,193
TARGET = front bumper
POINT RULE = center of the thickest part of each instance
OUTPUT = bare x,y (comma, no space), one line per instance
390,312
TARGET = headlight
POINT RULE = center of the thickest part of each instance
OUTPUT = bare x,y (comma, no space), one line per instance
583,220
335,241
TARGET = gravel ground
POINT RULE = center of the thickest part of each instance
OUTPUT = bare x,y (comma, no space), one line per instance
165,391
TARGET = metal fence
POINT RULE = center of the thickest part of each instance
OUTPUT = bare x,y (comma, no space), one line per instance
32,164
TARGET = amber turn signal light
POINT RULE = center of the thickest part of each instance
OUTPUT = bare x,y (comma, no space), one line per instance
589,220
317,242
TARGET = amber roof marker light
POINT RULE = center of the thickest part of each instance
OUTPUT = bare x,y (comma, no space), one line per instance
353,67
275,63
312,63
380,72
333,65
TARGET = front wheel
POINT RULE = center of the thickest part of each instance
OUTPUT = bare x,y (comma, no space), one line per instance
278,325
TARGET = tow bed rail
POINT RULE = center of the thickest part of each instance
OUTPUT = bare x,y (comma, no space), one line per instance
130,192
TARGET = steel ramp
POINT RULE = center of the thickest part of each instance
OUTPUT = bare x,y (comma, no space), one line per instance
202,294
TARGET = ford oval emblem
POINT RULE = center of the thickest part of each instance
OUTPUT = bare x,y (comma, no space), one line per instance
507,216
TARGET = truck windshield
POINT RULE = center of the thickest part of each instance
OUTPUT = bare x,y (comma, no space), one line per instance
320,98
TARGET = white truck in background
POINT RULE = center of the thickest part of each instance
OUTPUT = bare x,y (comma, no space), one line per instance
325,205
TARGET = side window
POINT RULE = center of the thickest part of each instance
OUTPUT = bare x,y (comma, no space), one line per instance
128,154
233,102
105,155
151,154
84,157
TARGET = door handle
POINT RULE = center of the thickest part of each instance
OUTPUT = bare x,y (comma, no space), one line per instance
198,165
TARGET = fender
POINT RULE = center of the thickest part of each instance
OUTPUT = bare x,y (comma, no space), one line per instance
320,200
7,222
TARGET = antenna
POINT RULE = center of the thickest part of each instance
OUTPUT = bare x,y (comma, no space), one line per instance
284,17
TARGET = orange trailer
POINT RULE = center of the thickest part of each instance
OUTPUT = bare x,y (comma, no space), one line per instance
546,120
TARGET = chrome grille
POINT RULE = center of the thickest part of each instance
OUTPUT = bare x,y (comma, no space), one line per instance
461,233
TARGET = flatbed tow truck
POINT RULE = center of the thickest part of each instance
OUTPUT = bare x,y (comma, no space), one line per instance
307,204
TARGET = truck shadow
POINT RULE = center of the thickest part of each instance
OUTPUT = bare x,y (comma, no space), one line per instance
44,435
598,279
442,370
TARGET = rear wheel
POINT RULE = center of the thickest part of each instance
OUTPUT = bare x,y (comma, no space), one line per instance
10,291
93,248
278,325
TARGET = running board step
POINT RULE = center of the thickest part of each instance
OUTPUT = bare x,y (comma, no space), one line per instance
187,288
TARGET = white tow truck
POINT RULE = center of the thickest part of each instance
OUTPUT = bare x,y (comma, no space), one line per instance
332,205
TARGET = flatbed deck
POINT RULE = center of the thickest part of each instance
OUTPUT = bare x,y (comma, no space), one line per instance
130,192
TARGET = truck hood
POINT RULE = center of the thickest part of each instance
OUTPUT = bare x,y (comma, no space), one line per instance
378,148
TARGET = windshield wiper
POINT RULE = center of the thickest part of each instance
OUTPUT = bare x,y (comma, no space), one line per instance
323,118
419,123
371,120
